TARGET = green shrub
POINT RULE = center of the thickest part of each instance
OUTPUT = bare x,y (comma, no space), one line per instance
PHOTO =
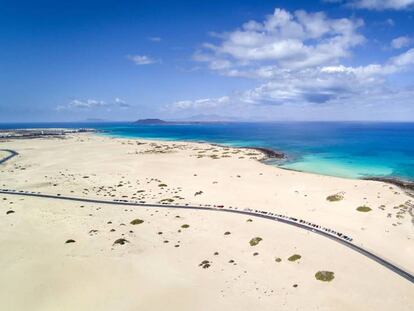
324,276
136,222
335,197
363,208
294,257
255,241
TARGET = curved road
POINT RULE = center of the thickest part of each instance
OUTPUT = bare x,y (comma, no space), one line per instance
12,154
248,212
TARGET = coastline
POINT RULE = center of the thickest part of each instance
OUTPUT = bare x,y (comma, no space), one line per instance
406,185
269,154
171,244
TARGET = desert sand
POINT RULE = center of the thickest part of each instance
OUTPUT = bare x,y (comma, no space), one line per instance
188,259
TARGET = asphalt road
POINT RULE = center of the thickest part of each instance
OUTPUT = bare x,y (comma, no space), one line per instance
12,154
282,219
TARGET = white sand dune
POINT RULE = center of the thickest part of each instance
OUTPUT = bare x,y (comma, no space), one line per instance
38,271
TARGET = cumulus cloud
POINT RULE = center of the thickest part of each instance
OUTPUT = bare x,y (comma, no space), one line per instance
297,59
142,59
401,42
382,4
88,104
204,103
376,4
291,40
121,103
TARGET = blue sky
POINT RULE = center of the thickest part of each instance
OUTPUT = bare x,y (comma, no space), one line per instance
246,59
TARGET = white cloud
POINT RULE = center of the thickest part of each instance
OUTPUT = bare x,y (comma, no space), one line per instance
155,39
142,59
88,104
297,59
376,4
382,4
121,103
291,40
401,42
204,103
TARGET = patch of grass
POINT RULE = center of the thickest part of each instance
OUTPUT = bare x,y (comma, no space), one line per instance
167,200
325,276
121,241
136,222
363,208
185,226
294,257
70,241
255,241
335,197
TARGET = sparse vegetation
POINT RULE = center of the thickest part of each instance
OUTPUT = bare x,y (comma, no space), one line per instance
136,222
363,208
185,226
9,212
167,200
227,233
277,259
70,241
325,276
255,241
205,264
335,197
294,257
121,241
162,185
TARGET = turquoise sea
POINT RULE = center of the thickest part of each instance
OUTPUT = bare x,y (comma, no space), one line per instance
346,149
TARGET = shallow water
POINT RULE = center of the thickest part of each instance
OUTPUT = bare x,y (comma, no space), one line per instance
346,149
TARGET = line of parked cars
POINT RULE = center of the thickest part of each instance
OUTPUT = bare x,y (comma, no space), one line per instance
302,222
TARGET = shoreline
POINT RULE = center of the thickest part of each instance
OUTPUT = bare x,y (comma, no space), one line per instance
404,184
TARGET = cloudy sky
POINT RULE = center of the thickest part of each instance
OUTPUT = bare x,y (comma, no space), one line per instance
245,59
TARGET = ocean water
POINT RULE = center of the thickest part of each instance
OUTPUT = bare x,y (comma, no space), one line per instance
345,149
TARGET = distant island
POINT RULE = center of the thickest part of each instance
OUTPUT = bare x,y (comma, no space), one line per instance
152,121
189,120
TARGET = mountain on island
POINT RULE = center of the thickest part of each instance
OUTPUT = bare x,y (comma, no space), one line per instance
189,120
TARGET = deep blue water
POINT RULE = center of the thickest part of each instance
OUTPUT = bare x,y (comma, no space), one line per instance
347,149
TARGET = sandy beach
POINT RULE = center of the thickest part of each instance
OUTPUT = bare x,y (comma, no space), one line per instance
188,259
